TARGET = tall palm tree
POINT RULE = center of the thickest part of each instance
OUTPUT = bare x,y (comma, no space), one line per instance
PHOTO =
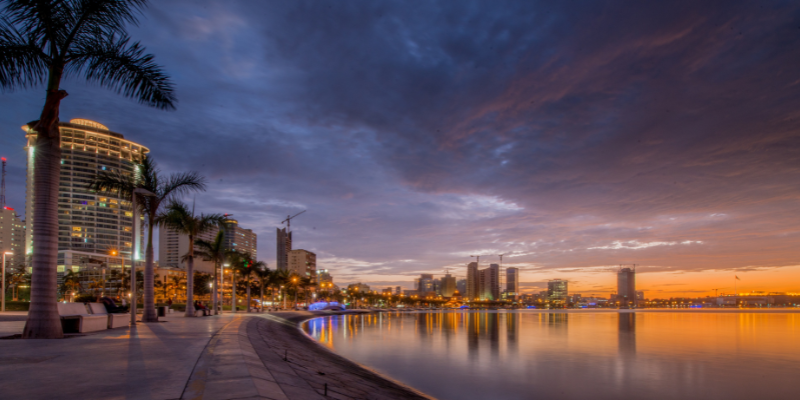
42,42
280,278
263,274
247,269
164,189
216,252
179,219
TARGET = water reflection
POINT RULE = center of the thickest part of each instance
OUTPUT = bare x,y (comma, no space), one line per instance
575,355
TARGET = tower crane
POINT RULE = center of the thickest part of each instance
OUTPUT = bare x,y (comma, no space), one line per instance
288,220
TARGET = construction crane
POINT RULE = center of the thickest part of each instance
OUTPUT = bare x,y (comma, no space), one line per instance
717,289
478,260
288,220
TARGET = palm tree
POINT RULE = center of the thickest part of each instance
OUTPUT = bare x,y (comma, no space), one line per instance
213,251
263,274
41,42
179,219
71,283
176,282
247,268
278,279
163,189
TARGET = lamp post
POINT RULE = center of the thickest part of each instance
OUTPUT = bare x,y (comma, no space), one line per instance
135,247
294,280
4,279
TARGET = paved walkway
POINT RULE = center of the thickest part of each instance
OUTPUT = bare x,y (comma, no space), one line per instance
233,356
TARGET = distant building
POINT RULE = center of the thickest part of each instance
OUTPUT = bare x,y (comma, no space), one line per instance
489,283
358,288
448,285
472,281
284,246
425,286
303,263
512,282
172,246
398,290
387,291
12,237
408,293
626,287
240,239
461,286
557,290
324,276
639,296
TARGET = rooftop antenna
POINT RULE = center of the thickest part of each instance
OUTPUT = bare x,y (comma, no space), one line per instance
3,186
288,220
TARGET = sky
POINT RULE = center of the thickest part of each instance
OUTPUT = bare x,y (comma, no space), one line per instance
570,136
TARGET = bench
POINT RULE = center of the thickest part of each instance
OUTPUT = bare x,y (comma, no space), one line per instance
115,320
76,318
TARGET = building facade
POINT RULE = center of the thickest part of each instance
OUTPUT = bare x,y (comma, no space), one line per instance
172,246
512,283
626,287
303,263
12,237
557,291
472,281
90,224
240,239
284,246
448,285
489,283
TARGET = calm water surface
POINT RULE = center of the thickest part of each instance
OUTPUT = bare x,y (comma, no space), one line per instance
576,355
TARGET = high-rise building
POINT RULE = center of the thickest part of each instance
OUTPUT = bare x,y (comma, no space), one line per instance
448,285
12,237
324,276
240,239
91,225
461,286
398,290
557,290
303,263
426,286
172,246
472,281
626,287
512,282
284,246
489,283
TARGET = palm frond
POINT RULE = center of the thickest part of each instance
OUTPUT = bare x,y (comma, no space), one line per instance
181,183
22,63
117,182
113,62
108,15
44,21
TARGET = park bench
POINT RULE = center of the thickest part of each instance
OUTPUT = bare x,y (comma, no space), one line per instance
76,318
115,320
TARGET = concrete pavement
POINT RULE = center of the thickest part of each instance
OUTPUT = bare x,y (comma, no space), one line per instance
232,356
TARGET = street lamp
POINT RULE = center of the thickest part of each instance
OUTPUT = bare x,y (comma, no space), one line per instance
135,246
5,253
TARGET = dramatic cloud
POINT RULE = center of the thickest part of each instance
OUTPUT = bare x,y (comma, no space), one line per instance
571,137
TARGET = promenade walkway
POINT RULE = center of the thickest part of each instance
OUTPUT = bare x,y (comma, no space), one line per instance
232,356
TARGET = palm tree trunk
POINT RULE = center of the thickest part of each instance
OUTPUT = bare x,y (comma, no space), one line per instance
149,313
248,294
43,320
233,290
214,289
190,279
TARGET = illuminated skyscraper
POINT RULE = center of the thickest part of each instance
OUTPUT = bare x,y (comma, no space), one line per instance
303,263
448,285
472,281
557,290
240,239
512,282
12,237
284,246
626,287
489,283
90,225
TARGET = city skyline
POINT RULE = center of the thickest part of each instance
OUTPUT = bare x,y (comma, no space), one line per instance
568,168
